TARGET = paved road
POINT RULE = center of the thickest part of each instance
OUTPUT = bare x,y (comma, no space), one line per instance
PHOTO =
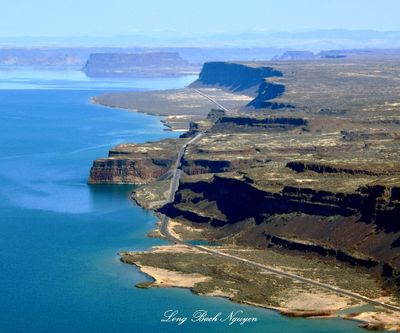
177,171
212,100
167,234
174,187
295,277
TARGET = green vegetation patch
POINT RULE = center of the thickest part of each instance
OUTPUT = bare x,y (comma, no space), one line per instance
241,282
332,273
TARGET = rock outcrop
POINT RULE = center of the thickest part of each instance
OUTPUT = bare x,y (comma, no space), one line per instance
254,124
135,163
360,228
233,76
321,178
244,79
300,166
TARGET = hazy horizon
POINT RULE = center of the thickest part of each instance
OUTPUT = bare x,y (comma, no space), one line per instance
289,24
313,40
125,17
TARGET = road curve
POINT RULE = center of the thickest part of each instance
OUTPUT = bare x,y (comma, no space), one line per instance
166,233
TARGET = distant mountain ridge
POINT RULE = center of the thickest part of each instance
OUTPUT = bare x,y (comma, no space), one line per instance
315,40
338,54
78,56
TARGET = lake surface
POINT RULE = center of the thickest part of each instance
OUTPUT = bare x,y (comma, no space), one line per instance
59,237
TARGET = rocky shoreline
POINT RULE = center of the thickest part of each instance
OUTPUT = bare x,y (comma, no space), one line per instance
301,303
308,178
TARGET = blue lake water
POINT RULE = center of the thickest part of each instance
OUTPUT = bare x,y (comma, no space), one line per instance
59,237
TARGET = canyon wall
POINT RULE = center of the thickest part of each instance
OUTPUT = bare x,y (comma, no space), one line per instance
360,228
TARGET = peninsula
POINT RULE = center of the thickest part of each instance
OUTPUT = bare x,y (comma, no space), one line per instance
283,191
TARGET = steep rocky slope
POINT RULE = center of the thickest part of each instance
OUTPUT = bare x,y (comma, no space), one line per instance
243,78
135,163
313,168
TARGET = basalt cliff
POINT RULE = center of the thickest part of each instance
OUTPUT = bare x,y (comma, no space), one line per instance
308,164
137,64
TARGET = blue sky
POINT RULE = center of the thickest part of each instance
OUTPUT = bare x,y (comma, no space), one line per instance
125,17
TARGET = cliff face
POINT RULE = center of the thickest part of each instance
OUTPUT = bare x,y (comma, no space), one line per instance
322,178
243,78
129,64
235,77
127,171
203,160
373,204
300,166
135,164
266,92
204,166
360,228
243,124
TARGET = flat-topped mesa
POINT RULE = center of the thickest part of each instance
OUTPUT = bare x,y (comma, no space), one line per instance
135,163
233,76
295,55
129,64
250,79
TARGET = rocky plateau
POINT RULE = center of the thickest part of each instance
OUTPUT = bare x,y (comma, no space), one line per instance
305,160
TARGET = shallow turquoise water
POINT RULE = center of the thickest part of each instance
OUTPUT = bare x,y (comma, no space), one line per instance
59,238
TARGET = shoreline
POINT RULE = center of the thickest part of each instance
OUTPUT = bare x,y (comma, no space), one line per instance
162,279
93,100
159,283
368,319
164,119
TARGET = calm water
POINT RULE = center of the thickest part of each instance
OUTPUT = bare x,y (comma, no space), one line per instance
59,238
